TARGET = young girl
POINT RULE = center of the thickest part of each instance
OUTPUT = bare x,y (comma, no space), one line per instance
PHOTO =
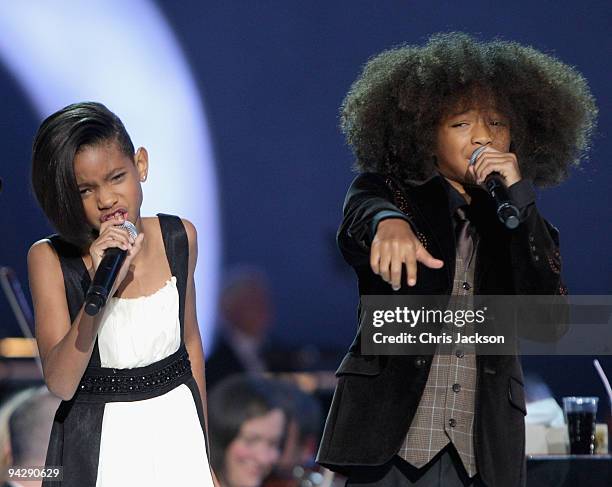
417,222
132,376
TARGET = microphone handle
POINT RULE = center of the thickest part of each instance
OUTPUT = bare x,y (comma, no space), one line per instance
103,281
507,212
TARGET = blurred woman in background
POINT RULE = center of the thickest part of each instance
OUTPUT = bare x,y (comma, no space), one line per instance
247,426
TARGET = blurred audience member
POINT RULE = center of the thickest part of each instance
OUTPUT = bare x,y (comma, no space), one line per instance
29,427
6,408
246,425
305,423
246,315
542,407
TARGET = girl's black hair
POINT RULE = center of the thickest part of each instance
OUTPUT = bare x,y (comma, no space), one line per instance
58,140
391,113
231,403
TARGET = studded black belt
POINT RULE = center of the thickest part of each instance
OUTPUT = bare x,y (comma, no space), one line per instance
103,384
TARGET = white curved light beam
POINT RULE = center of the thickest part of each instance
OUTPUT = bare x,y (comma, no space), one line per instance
124,54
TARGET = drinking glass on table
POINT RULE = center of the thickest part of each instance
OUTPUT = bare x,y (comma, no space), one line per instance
580,415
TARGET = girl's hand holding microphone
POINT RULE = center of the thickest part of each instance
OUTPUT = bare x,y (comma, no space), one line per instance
112,235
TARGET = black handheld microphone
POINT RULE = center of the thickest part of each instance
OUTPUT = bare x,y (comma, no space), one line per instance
507,212
105,276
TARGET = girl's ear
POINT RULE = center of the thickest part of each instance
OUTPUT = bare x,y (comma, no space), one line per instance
141,161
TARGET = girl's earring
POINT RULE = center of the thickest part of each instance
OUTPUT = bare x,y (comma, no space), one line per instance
143,179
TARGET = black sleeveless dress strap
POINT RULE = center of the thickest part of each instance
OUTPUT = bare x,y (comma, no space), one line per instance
75,436
177,250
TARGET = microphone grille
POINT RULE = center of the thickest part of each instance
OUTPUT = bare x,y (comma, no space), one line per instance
475,154
129,226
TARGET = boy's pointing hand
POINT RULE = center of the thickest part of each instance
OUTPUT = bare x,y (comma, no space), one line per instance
394,246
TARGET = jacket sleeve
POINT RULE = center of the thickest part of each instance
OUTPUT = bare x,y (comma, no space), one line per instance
536,259
536,264
368,202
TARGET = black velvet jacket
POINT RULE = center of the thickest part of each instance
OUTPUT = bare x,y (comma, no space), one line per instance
377,396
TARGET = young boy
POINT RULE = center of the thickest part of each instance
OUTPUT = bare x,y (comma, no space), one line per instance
417,221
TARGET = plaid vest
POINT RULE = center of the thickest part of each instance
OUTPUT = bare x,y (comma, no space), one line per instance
446,410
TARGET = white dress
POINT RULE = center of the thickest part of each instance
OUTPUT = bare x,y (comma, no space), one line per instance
157,441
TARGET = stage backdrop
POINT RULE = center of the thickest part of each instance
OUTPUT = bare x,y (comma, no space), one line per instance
270,76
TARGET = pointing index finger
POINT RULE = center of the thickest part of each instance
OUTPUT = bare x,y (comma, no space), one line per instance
427,259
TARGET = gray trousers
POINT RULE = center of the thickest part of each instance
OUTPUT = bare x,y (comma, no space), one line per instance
444,470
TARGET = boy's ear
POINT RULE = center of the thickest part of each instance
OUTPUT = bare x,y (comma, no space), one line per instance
141,161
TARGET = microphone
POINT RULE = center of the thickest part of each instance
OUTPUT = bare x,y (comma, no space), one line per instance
507,212
105,276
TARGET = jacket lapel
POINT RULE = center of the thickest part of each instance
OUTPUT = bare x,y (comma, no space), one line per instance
430,202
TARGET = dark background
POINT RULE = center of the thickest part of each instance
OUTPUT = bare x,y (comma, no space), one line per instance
272,75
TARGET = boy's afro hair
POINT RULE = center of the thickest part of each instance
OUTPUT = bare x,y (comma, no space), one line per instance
392,110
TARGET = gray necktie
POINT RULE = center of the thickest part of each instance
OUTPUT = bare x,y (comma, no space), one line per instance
463,232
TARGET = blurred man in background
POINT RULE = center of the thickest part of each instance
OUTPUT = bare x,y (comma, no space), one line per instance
246,312
29,427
